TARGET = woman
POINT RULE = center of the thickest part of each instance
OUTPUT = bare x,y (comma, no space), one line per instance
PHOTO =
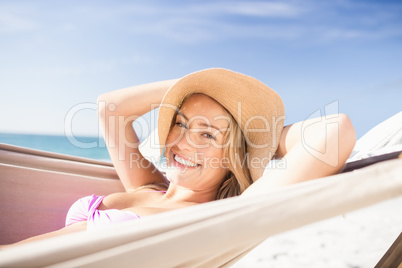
218,129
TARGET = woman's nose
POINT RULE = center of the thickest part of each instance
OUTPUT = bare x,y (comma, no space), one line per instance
191,140
185,142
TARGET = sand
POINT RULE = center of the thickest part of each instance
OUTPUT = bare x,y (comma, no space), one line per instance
357,239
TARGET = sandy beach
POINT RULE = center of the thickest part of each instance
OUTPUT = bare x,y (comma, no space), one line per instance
356,240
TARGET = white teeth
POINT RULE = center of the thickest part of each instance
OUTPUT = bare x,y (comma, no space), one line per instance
184,162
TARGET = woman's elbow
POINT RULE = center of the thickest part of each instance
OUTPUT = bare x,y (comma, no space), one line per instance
338,141
105,104
347,135
101,105
103,99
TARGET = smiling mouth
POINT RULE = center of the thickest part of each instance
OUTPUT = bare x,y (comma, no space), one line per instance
181,162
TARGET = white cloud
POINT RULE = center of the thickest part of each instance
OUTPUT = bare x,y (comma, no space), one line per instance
205,9
204,21
250,8
95,67
310,21
210,21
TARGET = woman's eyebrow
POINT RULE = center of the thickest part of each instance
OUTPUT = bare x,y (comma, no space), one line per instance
182,115
210,126
202,124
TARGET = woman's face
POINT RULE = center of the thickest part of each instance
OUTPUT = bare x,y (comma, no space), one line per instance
195,145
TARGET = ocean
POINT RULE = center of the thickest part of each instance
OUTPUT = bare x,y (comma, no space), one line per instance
89,147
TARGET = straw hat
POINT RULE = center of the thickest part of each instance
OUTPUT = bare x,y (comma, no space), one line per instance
257,109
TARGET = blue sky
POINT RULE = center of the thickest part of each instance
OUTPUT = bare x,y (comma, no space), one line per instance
55,55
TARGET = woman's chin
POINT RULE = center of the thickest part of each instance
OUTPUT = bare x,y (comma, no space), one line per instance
175,174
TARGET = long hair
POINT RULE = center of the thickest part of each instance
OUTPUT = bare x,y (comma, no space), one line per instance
238,178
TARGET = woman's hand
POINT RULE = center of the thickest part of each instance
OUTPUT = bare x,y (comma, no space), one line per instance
117,110
309,149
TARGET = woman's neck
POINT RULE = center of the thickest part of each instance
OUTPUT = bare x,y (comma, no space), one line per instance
187,196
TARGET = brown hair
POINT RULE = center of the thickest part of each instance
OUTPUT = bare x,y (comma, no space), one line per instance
238,178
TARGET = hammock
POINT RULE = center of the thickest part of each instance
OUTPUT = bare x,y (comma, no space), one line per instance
37,188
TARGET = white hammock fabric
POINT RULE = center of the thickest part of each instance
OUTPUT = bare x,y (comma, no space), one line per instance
37,189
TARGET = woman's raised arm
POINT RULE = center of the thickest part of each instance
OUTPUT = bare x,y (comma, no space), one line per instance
117,110
309,149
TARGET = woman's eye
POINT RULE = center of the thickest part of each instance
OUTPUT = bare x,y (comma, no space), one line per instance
180,124
209,136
